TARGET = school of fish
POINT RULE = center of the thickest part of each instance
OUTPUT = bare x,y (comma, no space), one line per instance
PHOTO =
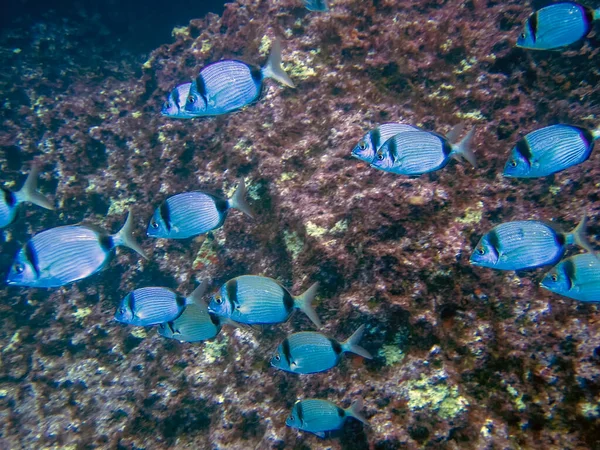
58,256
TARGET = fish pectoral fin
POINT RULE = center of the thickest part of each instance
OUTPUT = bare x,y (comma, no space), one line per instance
243,309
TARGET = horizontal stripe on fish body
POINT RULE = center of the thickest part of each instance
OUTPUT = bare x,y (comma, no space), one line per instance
549,150
8,207
556,26
253,299
223,87
520,245
195,324
366,148
150,306
576,277
320,416
307,352
59,256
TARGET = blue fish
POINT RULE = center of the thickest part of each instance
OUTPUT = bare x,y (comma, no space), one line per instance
193,213
174,105
62,255
227,85
195,324
556,26
417,152
10,201
311,352
525,244
316,5
320,416
155,305
253,299
550,150
577,277
371,142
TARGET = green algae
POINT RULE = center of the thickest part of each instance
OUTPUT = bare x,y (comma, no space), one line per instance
294,244
471,215
215,350
392,353
436,396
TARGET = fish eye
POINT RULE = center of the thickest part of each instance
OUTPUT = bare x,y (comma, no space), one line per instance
19,268
554,277
219,300
277,357
362,145
513,163
522,35
380,156
291,418
481,250
154,224
122,310
191,99
167,105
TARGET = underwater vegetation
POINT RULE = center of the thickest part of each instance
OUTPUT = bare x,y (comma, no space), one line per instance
464,357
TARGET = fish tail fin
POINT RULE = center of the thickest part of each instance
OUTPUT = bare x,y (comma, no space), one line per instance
596,14
455,132
29,192
577,235
124,237
198,293
273,67
596,132
238,200
464,150
304,303
351,344
355,411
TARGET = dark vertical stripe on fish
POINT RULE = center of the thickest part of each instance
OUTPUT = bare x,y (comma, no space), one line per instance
533,26
300,412
175,97
524,150
341,412
180,300
221,204
561,239
9,198
393,150
106,242
288,300
588,14
287,352
131,303
256,74
231,288
586,136
446,147
375,136
335,345
165,215
31,256
494,241
215,319
569,272
201,88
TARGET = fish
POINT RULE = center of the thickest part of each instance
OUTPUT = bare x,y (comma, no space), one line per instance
62,255
228,85
371,142
316,5
255,300
192,213
526,244
549,150
311,352
174,105
418,152
195,324
320,416
556,26
155,305
10,201
576,277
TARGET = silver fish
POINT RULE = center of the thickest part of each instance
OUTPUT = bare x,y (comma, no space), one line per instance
10,201
62,255
155,305
316,5
320,416
193,213
577,277
367,147
252,299
311,352
174,105
195,324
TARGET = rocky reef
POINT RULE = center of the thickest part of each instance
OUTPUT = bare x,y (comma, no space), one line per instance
466,357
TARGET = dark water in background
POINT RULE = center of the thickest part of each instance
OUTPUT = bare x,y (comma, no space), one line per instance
140,25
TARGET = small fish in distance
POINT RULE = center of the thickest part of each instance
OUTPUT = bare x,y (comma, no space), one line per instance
62,255
28,193
556,26
227,85
320,416
418,152
526,244
155,305
174,105
192,213
371,142
311,352
316,5
255,300
576,277
549,150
